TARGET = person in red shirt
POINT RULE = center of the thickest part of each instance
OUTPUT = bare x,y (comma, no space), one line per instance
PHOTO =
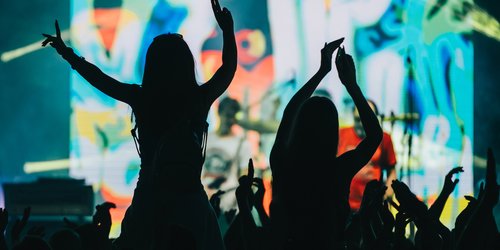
384,159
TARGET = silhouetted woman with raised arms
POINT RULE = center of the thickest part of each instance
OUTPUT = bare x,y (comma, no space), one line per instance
171,111
310,203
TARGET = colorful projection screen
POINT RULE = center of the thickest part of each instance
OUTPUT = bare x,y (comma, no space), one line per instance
414,59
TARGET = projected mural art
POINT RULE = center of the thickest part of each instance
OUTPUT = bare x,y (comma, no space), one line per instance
412,58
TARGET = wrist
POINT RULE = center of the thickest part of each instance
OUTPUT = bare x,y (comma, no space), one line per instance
65,52
323,70
350,85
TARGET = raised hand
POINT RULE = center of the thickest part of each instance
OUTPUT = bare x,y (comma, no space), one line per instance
491,187
244,190
215,202
102,218
259,195
345,68
19,226
402,219
326,54
259,201
408,201
372,198
449,184
223,16
55,41
4,220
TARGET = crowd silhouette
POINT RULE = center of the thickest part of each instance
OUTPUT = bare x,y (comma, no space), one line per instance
309,209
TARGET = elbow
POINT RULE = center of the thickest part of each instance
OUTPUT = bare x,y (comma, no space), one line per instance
377,134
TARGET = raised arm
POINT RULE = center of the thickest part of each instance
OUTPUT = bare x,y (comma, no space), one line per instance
302,95
449,185
359,156
108,85
224,75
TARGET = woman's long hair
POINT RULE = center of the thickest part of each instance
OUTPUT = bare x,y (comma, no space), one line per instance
313,148
169,67
169,80
315,130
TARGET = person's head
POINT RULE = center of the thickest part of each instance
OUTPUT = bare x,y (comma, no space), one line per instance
32,242
315,129
358,126
65,239
89,236
323,93
228,108
170,66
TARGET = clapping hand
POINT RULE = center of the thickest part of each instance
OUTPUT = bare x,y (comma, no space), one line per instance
346,68
408,201
327,53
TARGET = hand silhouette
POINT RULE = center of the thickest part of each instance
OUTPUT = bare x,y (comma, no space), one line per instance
55,41
491,188
408,201
19,225
4,220
102,218
402,219
259,195
326,54
244,190
449,184
215,202
345,67
223,16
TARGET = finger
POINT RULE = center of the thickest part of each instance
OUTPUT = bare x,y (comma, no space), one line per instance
58,31
456,170
469,198
26,215
335,44
481,188
258,180
216,6
491,175
45,42
396,206
251,170
108,205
